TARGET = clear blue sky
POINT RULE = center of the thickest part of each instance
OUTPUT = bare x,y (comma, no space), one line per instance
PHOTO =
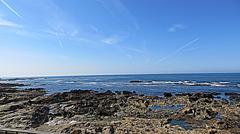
74,37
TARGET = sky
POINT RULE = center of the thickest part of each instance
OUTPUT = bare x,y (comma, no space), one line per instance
79,37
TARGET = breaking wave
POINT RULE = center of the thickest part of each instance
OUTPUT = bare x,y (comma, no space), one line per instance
184,83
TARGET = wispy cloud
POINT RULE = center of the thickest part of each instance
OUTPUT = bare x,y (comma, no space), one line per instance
140,52
176,27
74,33
7,23
192,49
73,36
117,38
59,40
136,50
179,50
117,8
111,40
59,26
10,8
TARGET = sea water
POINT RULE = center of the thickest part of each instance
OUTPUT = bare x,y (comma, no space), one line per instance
149,84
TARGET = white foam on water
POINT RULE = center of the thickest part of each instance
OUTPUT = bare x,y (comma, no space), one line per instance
92,83
70,82
185,83
224,82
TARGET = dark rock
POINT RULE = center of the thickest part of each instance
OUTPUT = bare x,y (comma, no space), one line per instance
135,81
39,90
108,92
118,92
184,94
77,131
98,130
105,107
12,106
82,91
9,85
127,93
201,109
55,98
147,103
111,130
40,116
215,93
197,96
232,94
167,95
210,114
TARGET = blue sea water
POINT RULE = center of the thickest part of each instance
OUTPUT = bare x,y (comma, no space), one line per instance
149,84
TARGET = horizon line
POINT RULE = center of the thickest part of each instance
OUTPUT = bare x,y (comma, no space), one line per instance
114,74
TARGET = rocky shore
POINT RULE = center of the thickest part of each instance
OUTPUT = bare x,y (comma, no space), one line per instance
122,112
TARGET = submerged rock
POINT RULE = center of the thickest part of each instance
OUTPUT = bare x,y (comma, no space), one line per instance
135,81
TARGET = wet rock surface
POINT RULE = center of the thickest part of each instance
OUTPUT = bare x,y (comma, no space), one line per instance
90,112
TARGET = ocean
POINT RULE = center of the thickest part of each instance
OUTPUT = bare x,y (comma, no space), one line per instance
148,84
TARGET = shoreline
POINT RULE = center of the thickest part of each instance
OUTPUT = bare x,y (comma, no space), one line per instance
142,84
89,111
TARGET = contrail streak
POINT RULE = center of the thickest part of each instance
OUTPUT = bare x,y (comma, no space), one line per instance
179,49
10,8
59,41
